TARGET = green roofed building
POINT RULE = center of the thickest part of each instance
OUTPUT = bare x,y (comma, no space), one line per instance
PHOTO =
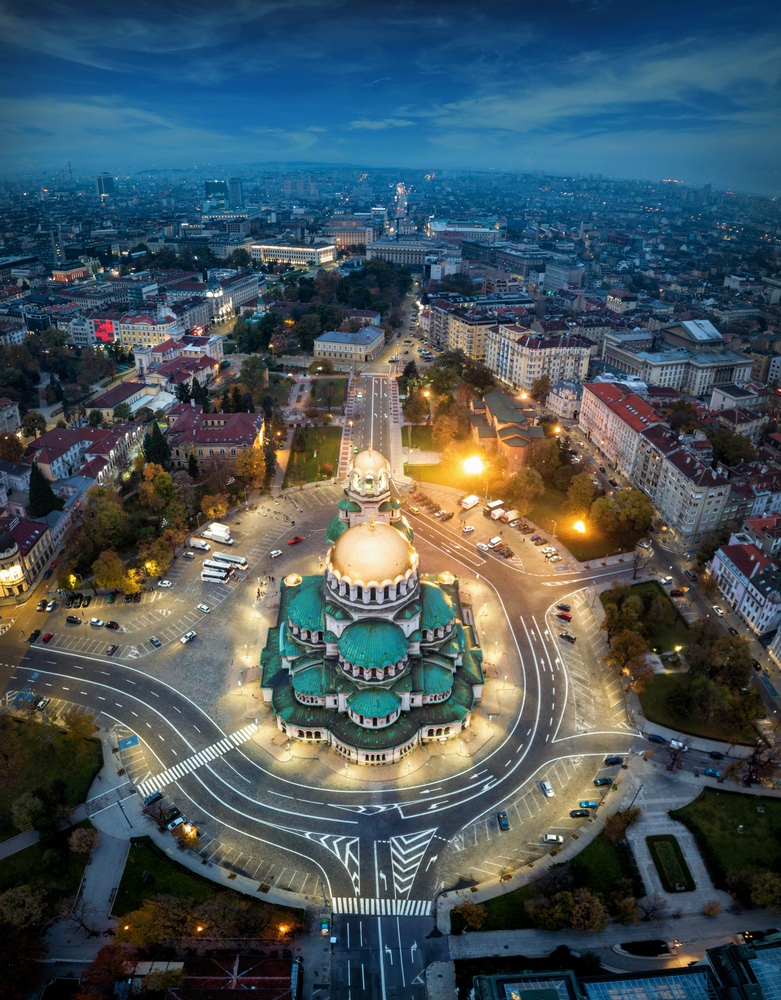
371,657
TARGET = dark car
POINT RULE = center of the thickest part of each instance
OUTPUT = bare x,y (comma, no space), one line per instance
69,602
541,541
34,635
612,761
447,515
563,607
508,553
676,593
128,598
73,620
602,468
137,597
601,782
169,814
733,631
77,600
757,665
568,636
503,821
535,538
612,482
42,605
716,755
87,600
112,625
580,814
111,650
656,739
293,541
155,641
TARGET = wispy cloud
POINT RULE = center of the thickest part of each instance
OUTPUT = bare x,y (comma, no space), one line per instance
377,124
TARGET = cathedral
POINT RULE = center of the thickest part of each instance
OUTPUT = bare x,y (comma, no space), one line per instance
372,657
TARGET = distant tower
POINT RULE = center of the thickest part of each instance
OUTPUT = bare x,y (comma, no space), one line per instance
216,192
235,195
48,248
104,185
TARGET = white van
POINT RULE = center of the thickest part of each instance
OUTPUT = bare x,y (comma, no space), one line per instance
677,745
547,789
494,541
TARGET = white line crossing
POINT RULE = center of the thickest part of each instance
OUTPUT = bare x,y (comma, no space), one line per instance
382,907
199,759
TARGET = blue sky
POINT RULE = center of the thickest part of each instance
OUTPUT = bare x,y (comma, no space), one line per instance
689,90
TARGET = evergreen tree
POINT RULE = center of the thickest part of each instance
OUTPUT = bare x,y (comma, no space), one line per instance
182,392
225,401
247,406
43,499
235,400
146,445
159,451
192,466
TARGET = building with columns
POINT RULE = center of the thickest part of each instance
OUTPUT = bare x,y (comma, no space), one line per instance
373,656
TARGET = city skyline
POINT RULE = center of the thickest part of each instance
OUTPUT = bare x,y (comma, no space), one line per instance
689,94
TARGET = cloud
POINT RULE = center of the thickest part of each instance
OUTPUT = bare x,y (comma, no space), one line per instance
380,79
365,123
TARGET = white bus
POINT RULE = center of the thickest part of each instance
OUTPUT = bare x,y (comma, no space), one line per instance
214,576
229,560
215,567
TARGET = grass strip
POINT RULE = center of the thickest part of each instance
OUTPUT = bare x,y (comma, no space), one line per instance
670,863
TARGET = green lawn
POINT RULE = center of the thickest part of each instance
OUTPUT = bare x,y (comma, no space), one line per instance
420,436
61,881
168,879
323,440
667,636
717,816
340,384
73,759
591,545
670,863
279,388
654,704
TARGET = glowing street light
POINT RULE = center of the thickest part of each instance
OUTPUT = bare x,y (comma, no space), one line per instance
473,465
580,526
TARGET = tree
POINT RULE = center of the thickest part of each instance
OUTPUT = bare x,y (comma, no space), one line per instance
616,825
33,424
472,914
546,458
625,646
416,407
121,412
444,431
164,920
653,906
766,890
251,464
524,487
675,754
588,912
82,840
43,499
247,403
215,505
95,418
200,395
627,911
132,582
11,449
182,392
112,964
729,448
323,366
580,496
192,466
235,400
27,811
712,908
108,570
155,556
327,393
541,387
159,451
551,914
22,907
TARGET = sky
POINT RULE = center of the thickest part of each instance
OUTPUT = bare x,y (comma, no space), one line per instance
687,90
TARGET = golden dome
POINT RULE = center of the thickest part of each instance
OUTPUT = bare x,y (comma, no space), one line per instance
370,461
372,555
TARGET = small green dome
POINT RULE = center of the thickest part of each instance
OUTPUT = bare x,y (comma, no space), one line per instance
373,642
438,609
374,703
306,608
350,505
336,529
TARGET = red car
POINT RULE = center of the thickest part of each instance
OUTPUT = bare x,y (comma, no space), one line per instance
292,541
47,636
563,616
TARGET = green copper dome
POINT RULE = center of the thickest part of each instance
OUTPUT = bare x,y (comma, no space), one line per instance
373,643
336,529
306,608
374,703
438,609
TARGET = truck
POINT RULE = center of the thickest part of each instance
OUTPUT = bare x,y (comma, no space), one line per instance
498,513
198,543
509,516
469,502
218,533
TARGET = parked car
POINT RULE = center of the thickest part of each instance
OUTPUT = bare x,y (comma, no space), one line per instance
87,601
128,598
275,553
716,755
77,600
48,636
503,821
34,635
165,583
204,608
563,607
733,631
114,626
644,544
612,761
447,515
602,468
588,804
414,510
676,593
580,813
51,605
507,553
547,789
42,605
111,650
756,664
718,610
552,838
73,620
188,637
656,739
665,580
155,641
97,622
69,602
482,546
601,782
690,574
41,703
568,636
711,772
467,529
564,617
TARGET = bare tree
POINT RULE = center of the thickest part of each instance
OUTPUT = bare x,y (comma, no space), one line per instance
79,912
639,561
765,759
674,752
653,906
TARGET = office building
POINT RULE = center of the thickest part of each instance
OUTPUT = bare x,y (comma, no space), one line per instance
235,193
519,356
104,185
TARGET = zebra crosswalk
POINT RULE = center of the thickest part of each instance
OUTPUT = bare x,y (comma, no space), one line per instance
382,907
197,760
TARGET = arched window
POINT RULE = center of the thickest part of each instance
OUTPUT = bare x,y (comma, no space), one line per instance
372,593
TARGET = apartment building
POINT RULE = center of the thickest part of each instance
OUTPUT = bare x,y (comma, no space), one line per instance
519,356
750,583
26,549
214,438
10,421
357,348
614,419
564,399
146,330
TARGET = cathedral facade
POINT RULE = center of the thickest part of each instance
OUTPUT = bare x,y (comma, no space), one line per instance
372,656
